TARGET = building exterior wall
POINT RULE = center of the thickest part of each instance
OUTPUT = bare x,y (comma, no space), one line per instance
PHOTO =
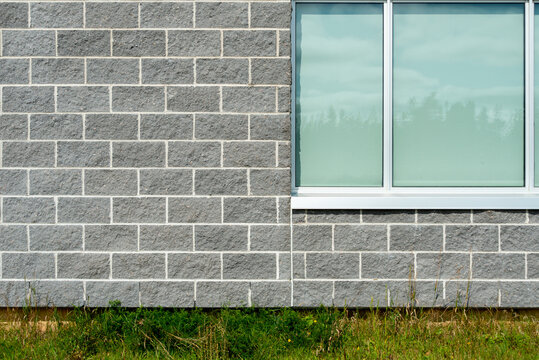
145,157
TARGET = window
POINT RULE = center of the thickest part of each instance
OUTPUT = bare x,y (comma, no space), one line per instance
414,105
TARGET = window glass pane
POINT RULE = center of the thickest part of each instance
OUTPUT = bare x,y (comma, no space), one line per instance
458,106
339,94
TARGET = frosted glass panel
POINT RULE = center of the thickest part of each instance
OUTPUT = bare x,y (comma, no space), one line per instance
458,106
339,94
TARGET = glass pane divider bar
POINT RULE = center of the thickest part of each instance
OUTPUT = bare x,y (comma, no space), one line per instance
293,101
387,119
529,95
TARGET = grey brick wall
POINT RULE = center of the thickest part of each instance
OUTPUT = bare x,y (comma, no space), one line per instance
145,157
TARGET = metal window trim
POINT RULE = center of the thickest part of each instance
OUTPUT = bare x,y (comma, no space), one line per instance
389,197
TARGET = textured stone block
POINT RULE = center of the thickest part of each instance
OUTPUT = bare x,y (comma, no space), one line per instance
360,237
471,237
283,207
56,14
27,266
111,127
249,154
112,71
166,126
83,266
167,71
110,182
138,266
532,261
194,210
55,126
222,71
222,15
83,98
416,293
13,238
271,71
388,266
270,294
30,99
111,15
14,71
298,264
57,71
28,154
416,238
194,266
28,210
83,154
244,99
194,43
138,154
56,293
270,238
167,294
55,238
471,293
138,43
249,266
519,294
270,182
13,15
28,43
498,266
283,99
166,182
221,238
166,15
499,216
332,266
312,237
519,238
221,182
193,99
334,216
14,293
83,43
249,43
222,127
13,182
388,216
284,43
194,154
371,294
101,293
444,216
13,127
138,98
312,293
166,237
83,210
219,294
270,14
250,210
110,237
443,266
55,182
285,266
270,127
139,210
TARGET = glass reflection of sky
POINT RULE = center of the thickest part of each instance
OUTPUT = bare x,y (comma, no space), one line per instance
458,94
339,94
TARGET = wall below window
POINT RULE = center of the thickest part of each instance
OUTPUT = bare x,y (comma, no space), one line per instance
145,157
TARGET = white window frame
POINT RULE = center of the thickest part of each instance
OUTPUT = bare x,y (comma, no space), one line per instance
389,197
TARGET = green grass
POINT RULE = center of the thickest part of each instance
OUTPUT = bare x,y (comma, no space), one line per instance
118,333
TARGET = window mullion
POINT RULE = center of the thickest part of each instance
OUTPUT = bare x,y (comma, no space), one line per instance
529,96
388,96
